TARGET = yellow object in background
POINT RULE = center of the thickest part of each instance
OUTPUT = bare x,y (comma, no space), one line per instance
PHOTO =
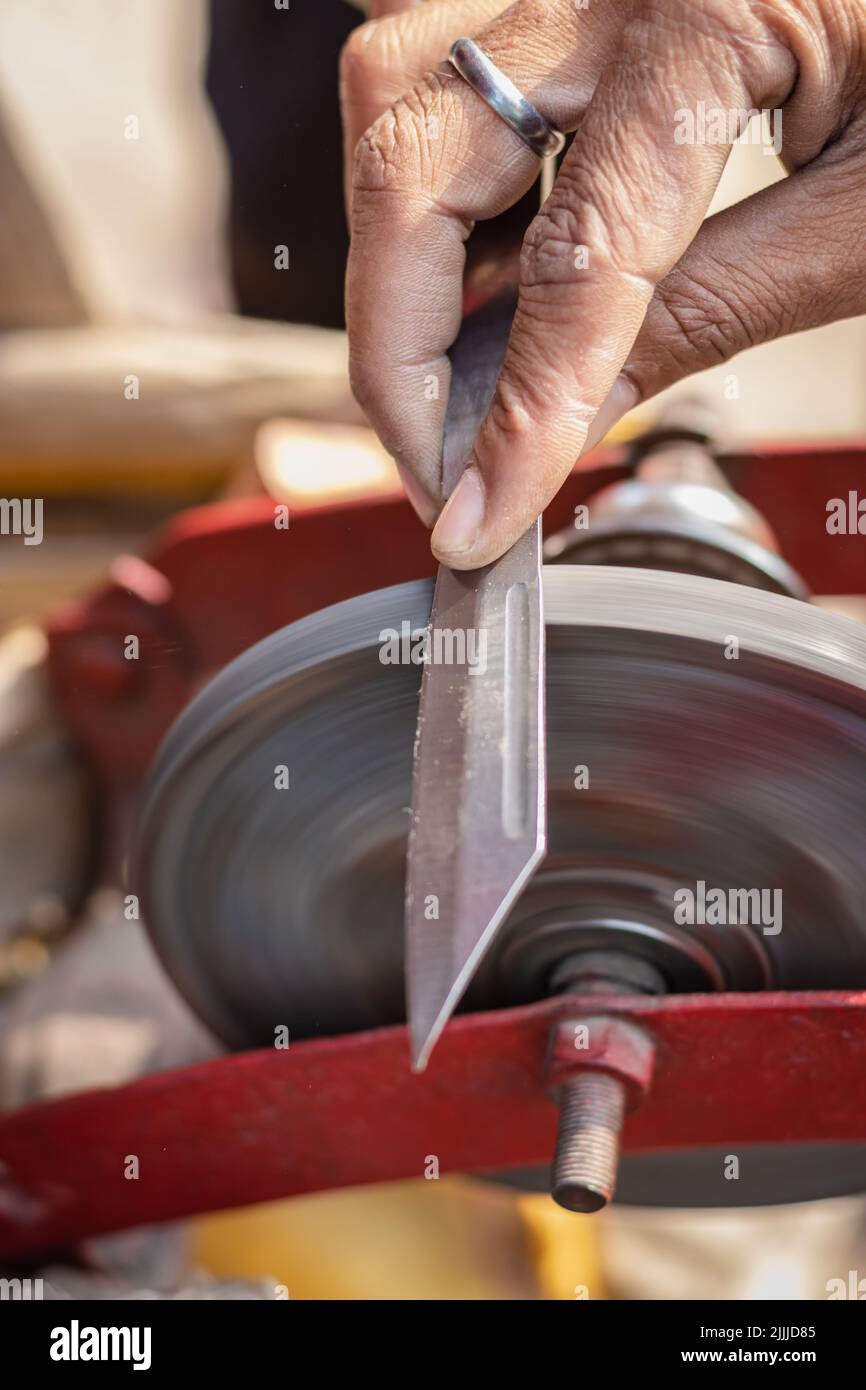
450,1239
563,1249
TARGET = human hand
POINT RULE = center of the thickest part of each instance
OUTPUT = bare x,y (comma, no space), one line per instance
625,288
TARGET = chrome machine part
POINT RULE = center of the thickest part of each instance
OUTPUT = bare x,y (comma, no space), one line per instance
678,513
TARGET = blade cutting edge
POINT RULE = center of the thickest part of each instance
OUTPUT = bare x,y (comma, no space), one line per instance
478,799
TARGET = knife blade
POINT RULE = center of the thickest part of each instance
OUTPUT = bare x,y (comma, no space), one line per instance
478,822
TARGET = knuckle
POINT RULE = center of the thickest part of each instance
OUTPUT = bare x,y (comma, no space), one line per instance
758,57
547,254
352,66
362,59
511,411
716,317
374,63
525,391
734,40
401,145
576,243
376,156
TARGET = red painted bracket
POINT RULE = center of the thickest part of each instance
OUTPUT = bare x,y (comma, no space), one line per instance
339,1112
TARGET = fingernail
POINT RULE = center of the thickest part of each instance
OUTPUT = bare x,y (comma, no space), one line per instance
460,521
621,398
421,501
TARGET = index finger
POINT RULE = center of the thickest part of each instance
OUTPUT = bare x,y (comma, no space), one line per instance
628,201
424,172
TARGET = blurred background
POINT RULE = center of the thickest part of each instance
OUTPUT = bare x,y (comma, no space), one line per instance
172,246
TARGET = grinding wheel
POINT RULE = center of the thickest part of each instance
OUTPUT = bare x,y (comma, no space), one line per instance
274,905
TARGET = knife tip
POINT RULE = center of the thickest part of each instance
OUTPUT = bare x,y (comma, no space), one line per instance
421,1047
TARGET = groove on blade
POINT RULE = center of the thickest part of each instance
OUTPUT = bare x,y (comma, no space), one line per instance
515,790
478,806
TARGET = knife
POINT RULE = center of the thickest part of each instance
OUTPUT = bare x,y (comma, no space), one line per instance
478,816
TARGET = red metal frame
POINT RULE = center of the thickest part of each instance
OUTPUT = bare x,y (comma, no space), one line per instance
342,1111
730,1069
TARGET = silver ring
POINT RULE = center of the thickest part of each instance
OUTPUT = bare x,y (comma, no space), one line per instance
485,78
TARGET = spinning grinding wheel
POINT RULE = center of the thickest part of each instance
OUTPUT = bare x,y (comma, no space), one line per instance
274,906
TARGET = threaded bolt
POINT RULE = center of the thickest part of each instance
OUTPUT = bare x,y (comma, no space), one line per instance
592,1106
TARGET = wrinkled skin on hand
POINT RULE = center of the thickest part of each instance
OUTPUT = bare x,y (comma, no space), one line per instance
625,286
